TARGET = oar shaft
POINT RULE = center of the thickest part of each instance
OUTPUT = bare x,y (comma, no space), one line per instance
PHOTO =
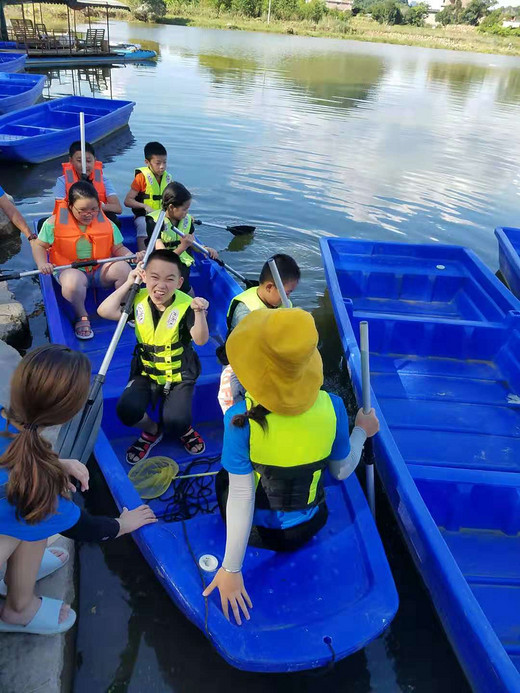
279,284
73,265
191,476
365,384
82,138
215,226
204,250
129,301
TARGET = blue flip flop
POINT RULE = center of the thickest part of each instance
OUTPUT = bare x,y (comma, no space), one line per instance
50,564
44,621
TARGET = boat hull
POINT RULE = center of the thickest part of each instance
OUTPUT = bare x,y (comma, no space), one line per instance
19,90
45,131
12,62
508,256
71,61
303,616
438,321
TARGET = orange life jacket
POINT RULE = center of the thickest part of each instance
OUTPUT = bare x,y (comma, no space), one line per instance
96,179
99,233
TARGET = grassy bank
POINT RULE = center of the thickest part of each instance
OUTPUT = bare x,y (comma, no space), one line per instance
361,28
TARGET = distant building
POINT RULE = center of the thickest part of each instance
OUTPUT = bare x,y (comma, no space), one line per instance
341,5
449,3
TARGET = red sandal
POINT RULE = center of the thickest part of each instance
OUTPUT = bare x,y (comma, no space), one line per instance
142,447
191,439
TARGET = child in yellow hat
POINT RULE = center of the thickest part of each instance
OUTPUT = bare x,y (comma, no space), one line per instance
278,442
265,295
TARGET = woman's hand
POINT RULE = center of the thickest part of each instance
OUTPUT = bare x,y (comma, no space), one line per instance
130,520
77,471
139,256
232,591
46,268
368,422
186,242
212,252
198,305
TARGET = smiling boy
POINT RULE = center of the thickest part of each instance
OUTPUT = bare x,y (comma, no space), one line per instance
165,363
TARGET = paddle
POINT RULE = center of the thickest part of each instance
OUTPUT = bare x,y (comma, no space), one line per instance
240,230
365,380
279,284
73,265
77,438
83,151
248,282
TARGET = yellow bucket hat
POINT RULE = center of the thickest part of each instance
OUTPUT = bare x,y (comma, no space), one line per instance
274,355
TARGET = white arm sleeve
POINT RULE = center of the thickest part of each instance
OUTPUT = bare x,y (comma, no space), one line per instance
239,518
341,469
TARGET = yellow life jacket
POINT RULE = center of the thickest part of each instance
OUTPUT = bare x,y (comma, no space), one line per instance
160,348
289,457
170,239
152,196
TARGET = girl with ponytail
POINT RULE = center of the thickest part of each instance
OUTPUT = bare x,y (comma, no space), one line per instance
49,386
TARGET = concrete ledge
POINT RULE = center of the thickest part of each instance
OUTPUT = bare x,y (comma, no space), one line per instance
39,663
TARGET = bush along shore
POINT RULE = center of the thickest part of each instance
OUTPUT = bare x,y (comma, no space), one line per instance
474,28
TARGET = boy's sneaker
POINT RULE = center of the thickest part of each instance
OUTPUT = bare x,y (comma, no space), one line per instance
140,450
193,442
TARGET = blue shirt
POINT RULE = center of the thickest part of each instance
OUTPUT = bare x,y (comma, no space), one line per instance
66,515
60,189
236,460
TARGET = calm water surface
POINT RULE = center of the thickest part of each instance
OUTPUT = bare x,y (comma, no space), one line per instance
301,137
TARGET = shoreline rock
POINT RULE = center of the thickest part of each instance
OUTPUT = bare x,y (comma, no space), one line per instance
14,326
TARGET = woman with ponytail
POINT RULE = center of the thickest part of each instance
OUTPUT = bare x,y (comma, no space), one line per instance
277,444
176,202
49,386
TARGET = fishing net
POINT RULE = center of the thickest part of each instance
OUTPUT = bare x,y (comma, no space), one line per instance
152,477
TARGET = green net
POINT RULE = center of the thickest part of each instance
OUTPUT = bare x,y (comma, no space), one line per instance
152,477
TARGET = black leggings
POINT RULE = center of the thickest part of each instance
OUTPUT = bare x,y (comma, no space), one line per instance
176,405
93,528
288,539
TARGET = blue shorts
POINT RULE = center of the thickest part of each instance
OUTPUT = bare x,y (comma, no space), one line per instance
93,278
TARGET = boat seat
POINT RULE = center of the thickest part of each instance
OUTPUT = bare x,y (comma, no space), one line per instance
26,130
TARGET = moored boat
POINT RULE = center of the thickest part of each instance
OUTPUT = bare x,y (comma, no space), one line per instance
444,338
312,606
509,256
45,131
116,57
12,62
19,90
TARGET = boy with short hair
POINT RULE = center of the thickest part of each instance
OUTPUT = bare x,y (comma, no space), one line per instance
265,295
146,191
165,364
94,174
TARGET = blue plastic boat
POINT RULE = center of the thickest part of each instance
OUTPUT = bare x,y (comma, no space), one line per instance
327,600
19,90
45,131
12,62
508,257
444,350
79,60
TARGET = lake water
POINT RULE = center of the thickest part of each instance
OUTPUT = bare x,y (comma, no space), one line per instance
300,137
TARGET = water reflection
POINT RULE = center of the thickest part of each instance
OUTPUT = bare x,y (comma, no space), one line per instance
460,77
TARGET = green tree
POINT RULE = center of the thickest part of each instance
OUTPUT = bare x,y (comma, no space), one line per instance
475,11
388,12
150,10
417,14
312,10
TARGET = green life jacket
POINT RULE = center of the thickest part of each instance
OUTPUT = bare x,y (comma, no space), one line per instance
289,457
160,348
171,239
152,196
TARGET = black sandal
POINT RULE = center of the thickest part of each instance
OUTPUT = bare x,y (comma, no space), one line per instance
141,448
191,439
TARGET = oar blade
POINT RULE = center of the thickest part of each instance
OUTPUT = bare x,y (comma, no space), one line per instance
241,230
77,438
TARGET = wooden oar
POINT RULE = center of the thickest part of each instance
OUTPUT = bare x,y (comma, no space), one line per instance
365,380
240,230
73,265
77,438
248,282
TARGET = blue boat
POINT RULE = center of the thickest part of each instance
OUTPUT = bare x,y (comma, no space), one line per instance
116,57
7,45
444,357
312,606
508,257
45,131
12,62
19,90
